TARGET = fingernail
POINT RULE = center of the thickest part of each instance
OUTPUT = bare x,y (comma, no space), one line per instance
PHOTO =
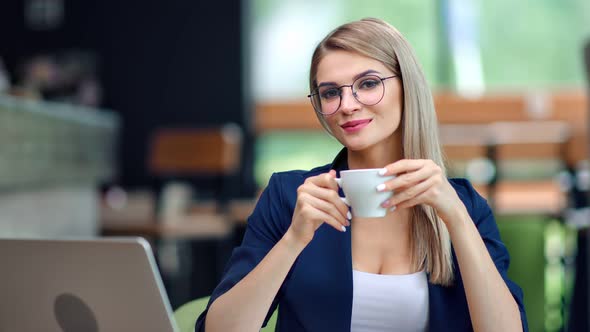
343,229
347,223
345,200
381,187
382,171
392,209
385,204
348,215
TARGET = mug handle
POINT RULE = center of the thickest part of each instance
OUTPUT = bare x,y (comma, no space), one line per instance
339,182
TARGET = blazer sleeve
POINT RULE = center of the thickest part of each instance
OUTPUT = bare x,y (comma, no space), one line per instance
486,224
266,226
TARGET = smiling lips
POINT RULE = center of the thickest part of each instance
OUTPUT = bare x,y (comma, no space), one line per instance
356,125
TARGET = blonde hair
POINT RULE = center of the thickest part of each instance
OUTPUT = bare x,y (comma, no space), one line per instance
429,242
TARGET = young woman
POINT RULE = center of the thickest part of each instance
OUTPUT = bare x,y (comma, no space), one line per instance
434,262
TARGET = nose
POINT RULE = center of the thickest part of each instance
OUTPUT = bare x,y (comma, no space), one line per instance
348,102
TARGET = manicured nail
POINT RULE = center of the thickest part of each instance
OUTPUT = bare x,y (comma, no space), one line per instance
392,209
343,229
385,204
382,171
381,187
345,200
349,215
347,223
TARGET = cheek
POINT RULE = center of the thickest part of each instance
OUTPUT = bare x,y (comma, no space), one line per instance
391,121
390,113
332,123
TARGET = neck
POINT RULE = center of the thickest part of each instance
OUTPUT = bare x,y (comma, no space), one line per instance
378,155
393,232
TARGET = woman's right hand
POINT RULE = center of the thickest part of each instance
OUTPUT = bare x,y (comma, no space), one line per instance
318,202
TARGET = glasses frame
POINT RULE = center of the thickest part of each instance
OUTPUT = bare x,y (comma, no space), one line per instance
354,94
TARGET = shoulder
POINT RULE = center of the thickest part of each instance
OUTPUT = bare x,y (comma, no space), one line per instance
294,178
282,186
277,202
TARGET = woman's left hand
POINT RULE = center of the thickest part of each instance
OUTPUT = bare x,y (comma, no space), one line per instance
421,182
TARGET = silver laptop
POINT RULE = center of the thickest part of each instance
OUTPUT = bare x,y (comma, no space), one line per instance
98,285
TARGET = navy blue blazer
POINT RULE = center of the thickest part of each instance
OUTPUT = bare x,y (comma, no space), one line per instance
317,292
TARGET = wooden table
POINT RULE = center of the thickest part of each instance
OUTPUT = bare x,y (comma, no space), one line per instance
194,226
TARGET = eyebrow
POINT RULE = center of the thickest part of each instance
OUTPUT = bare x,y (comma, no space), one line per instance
366,72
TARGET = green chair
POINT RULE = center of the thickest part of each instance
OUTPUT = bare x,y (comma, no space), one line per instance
187,314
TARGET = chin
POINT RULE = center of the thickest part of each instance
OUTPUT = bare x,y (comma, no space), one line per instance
361,143
356,146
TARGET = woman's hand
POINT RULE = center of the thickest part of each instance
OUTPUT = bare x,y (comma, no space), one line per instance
317,203
421,182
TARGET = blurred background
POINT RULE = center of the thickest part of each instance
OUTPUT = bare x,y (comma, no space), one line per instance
166,119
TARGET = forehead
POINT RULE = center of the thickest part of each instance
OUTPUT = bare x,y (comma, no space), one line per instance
341,66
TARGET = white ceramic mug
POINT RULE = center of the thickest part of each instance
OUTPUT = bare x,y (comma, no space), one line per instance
360,189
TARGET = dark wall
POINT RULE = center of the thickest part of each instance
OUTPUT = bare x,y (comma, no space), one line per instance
162,63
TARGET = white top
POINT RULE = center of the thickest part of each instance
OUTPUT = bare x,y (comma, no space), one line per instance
389,302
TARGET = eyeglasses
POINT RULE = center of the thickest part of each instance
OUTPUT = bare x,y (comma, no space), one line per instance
367,90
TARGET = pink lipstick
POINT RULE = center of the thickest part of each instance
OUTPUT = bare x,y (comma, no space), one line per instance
355,125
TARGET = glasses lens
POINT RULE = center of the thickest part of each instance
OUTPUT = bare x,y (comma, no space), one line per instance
328,99
315,102
368,90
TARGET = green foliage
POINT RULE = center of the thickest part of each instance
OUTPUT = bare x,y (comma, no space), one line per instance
533,43
282,151
527,44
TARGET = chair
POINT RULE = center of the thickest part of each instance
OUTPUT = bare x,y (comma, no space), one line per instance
499,130
205,161
539,146
187,314
203,153
465,148
483,150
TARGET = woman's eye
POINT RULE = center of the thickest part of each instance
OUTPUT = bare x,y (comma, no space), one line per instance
369,84
329,94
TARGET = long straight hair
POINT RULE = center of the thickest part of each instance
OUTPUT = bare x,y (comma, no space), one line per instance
430,243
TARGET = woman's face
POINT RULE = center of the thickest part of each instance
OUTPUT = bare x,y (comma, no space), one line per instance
355,125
